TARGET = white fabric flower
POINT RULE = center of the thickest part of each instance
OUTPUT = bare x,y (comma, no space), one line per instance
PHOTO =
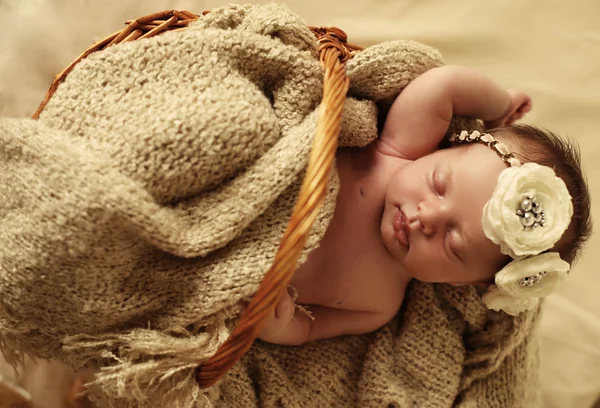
503,226
556,271
510,295
497,300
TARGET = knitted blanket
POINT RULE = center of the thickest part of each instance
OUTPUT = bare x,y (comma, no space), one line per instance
141,211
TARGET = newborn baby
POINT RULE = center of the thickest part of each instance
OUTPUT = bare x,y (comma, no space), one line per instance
408,210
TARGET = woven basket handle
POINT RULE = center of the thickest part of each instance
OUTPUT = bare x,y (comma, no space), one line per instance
333,51
310,198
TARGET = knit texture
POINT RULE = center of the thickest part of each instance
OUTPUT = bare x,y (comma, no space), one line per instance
142,210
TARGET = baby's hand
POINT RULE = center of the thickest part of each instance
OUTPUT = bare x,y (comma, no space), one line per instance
520,105
274,329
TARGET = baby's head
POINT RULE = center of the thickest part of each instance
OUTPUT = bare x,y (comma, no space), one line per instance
482,211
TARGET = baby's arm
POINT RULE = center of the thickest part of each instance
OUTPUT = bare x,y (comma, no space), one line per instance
292,327
330,322
420,115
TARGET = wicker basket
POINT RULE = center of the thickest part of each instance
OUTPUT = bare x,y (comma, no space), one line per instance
334,51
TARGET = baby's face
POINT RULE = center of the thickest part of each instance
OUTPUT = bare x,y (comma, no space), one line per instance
432,217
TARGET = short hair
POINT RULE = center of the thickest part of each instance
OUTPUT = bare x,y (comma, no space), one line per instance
543,147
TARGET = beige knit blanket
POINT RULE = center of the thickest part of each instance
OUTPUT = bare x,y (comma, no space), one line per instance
146,204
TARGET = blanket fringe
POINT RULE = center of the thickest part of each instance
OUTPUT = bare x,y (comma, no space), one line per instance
146,368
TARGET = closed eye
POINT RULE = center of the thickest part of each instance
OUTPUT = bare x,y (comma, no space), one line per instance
433,184
451,247
439,183
436,183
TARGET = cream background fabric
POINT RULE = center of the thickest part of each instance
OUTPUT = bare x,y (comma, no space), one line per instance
550,49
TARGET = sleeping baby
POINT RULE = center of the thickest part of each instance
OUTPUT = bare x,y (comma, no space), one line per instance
494,209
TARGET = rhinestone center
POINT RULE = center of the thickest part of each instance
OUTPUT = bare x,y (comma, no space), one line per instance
531,213
531,280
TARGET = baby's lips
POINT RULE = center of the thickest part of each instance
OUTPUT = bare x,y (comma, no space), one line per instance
401,228
398,220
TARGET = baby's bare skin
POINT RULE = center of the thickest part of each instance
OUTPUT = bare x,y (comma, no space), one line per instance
352,278
351,283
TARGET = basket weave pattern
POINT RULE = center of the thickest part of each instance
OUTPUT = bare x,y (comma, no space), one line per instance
334,51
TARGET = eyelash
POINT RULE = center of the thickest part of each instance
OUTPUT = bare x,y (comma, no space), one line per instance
435,188
449,243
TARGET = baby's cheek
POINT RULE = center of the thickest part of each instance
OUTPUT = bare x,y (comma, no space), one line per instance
427,267
483,272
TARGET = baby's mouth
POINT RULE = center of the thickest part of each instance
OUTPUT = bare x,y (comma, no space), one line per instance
402,232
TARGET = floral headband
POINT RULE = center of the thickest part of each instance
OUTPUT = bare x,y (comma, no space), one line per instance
529,211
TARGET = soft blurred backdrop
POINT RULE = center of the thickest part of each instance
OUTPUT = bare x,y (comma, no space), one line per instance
548,48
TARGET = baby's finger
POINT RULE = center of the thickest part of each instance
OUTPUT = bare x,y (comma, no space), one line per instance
526,106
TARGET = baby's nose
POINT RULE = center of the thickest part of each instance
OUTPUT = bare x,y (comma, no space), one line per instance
430,216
